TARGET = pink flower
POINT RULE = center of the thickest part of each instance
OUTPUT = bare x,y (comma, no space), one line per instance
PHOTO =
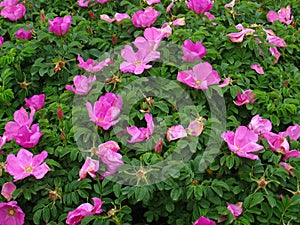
102,1
90,167
235,209
195,128
107,18
209,16
276,41
272,16
140,134
7,189
285,16
179,22
8,2
200,6
150,2
150,41
287,167
259,125
204,221
245,98
292,131
258,69
60,25
92,66
158,146
22,34
166,30
192,52
105,110
2,141
13,12
145,18
82,84
136,62
230,4
121,16
1,40
110,158
86,209
176,132
25,164
277,142
170,6
276,53
242,142
11,214
36,102
291,154
200,77
83,3
225,83
28,138
239,36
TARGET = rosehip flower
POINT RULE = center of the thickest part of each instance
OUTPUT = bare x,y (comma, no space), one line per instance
13,12
179,22
82,84
259,125
150,41
200,6
90,167
235,209
7,189
22,34
274,52
276,41
277,142
292,131
150,2
204,221
195,128
272,16
287,167
239,36
285,16
258,69
60,25
176,132
145,18
291,154
225,83
230,4
170,6
140,134
192,51
245,98
36,102
11,213
92,66
28,138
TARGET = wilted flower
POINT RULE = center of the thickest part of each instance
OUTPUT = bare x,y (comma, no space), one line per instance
13,12
36,102
90,167
179,22
118,17
60,25
105,110
145,18
235,209
239,36
192,51
260,125
195,127
140,134
292,131
277,142
82,84
245,98
287,167
291,154
150,2
258,68
200,6
2,141
242,142
92,66
285,16
158,146
25,164
230,4
204,221
11,214
276,41
22,34
7,189
200,77
274,52
169,7
176,132
225,83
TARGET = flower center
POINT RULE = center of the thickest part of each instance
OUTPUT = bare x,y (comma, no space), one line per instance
28,169
137,63
11,212
198,82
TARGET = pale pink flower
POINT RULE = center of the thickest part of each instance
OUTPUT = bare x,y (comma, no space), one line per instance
150,2
140,134
102,1
13,12
60,25
150,41
201,77
107,18
276,41
36,101
86,209
277,142
285,16
242,142
25,164
193,51
7,189
235,209
8,2
11,214
225,83
137,62
158,146
22,34
27,137
2,141
112,145
288,168
230,4
176,132
258,68
90,167
92,66
105,110
292,131
245,98
179,22
83,3
291,154
204,221
145,18
200,6
274,52
272,16
170,6
209,16
121,16
195,128
259,125
166,30
239,36
82,84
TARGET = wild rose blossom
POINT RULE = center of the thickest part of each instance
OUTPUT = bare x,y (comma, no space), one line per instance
292,131
176,132
242,142
118,17
145,18
82,85
239,36
192,51
2,141
86,209
259,125
105,110
150,2
274,52
258,68
285,16
36,102
13,12
22,34
8,2
140,134
272,16
291,154
204,221
7,189
195,128
90,166
27,137
11,214
230,4
200,77
60,25
179,22
277,142
235,209
170,6
288,168
276,41
245,98
225,83
91,66
151,40
200,6
25,164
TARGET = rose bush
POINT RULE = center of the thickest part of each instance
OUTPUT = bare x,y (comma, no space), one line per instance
172,112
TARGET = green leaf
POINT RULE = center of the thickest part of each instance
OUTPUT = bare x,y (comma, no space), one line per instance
37,216
176,194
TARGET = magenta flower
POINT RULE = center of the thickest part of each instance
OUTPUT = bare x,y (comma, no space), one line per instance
166,30
158,146
86,209
200,6
118,17
108,153
11,214
28,138
13,12
235,209
276,41
176,132
60,25
82,84
259,125
209,16
25,164
230,4
242,142
277,142
292,131
285,16
150,41
1,40
291,154
92,66
36,102
8,2
274,52
204,221
225,83
195,128
288,168
245,98
105,110
170,6
136,62
7,189
272,16
90,167
83,3
140,134
192,51
150,2
145,18
258,69
239,36
22,34
200,77
2,141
